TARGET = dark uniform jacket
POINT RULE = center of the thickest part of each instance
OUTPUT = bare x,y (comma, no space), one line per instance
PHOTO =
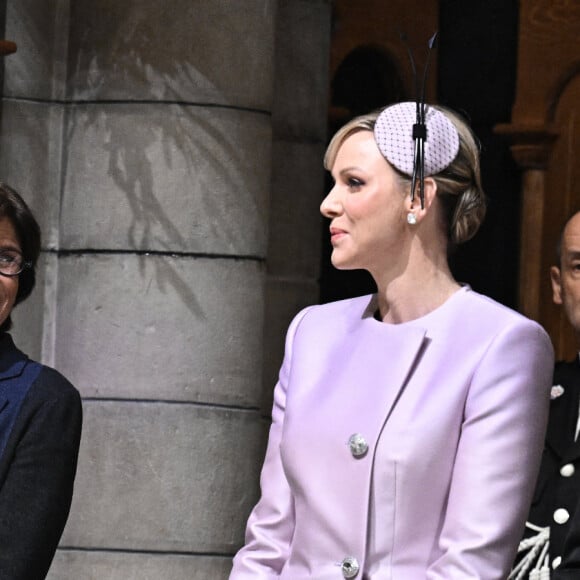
558,486
40,427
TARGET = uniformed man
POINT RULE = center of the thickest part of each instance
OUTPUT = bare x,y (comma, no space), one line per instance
553,515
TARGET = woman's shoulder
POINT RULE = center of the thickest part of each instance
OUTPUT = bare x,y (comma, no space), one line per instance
39,379
469,319
482,308
38,394
358,304
51,383
336,312
52,393
487,322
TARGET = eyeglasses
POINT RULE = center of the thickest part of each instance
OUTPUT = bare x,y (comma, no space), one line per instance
12,263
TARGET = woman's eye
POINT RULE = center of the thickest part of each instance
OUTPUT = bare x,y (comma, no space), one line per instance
354,183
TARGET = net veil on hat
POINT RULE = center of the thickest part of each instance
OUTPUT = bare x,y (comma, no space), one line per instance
394,136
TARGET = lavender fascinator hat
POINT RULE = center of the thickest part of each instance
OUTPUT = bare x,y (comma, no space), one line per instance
394,134
416,138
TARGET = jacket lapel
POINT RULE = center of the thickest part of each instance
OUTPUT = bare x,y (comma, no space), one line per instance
392,356
12,363
388,354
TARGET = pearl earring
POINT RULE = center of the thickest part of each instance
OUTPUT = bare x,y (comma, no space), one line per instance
411,218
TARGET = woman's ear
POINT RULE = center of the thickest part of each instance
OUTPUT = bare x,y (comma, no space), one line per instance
430,189
430,192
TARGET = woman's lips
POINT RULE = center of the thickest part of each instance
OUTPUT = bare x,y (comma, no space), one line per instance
336,234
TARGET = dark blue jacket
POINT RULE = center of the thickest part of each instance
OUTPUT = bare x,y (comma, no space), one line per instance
40,428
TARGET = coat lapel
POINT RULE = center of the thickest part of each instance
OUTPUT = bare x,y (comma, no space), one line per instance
353,365
377,360
390,355
348,374
12,391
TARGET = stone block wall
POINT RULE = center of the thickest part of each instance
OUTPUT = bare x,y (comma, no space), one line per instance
172,153
299,126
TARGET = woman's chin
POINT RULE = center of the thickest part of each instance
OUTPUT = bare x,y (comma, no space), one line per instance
341,263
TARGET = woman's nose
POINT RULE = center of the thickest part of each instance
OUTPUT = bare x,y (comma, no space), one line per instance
331,206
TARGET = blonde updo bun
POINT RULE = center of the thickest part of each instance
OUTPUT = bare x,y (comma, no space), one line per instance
459,185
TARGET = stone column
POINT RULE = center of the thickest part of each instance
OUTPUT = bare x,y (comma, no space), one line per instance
299,139
140,132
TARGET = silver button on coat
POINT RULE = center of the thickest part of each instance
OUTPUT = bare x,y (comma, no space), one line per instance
567,470
358,445
349,567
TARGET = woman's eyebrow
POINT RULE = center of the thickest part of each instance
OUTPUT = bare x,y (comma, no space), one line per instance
349,169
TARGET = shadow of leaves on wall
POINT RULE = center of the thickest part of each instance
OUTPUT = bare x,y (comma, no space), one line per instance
172,131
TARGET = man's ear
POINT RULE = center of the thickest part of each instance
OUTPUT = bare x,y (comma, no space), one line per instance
556,279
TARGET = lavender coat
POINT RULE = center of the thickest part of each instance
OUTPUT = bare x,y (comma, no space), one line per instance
453,407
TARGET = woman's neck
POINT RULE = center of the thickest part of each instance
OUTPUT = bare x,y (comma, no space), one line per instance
422,286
